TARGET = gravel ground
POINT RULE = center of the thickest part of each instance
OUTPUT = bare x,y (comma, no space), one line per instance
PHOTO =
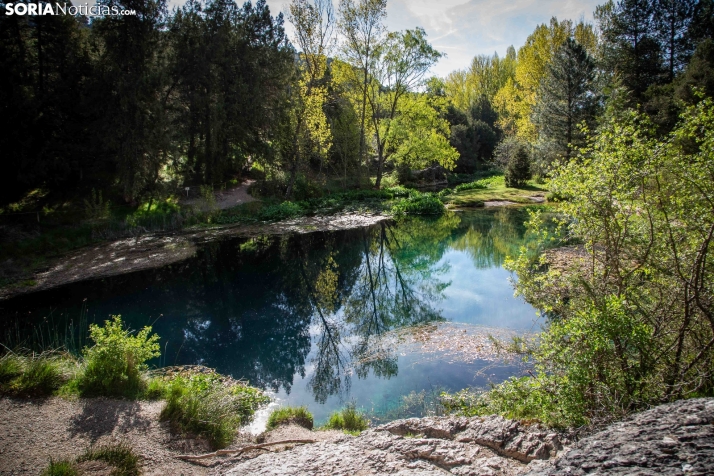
34,430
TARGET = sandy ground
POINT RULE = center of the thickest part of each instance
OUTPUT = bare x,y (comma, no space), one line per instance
34,430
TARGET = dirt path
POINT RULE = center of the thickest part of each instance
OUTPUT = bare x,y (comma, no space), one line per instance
227,198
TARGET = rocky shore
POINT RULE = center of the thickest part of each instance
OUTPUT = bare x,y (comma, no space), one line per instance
671,439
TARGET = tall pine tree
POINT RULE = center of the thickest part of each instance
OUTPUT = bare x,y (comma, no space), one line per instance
567,98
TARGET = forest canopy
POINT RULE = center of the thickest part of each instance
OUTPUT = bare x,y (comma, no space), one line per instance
203,93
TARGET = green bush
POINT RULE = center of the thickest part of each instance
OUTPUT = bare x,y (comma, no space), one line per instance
290,415
281,211
60,468
203,405
348,419
423,204
115,362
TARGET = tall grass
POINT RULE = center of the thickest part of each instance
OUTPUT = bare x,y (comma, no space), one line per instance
205,406
290,415
349,419
35,375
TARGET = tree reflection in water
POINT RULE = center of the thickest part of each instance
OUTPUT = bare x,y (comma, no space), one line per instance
254,308
389,289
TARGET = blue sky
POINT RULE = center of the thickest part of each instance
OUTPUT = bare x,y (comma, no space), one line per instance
465,28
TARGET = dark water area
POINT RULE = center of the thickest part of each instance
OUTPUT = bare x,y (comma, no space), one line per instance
318,319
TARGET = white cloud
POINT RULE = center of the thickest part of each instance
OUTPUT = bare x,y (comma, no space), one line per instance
465,28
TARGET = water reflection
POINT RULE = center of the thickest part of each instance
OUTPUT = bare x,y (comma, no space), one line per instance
276,310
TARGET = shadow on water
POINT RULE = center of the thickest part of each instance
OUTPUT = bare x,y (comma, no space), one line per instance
279,310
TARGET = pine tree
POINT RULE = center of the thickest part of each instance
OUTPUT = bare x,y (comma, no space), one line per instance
518,170
630,43
567,98
672,19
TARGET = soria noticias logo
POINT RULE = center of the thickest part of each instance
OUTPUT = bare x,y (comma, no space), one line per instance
43,8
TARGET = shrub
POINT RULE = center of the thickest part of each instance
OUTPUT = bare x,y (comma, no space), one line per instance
348,419
281,211
518,170
290,415
423,204
203,405
115,362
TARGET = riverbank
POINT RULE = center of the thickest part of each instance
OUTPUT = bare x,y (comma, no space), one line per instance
149,251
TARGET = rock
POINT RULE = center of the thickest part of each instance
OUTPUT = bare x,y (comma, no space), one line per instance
417,446
511,438
672,439
506,437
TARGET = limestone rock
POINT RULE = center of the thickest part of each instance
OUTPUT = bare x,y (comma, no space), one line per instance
672,439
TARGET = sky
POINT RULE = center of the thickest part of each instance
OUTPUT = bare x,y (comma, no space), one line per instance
465,28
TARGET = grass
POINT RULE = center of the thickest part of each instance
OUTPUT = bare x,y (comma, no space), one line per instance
205,406
290,415
474,194
349,419
120,457
60,468
34,375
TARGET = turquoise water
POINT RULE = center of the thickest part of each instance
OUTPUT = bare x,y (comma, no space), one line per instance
366,316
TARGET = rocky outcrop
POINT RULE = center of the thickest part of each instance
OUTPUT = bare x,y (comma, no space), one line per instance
672,439
505,437
426,446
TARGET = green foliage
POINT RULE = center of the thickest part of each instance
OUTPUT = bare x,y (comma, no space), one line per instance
643,209
349,419
115,362
95,208
120,456
518,170
422,204
10,367
60,468
480,184
290,415
157,388
567,101
34,375
203,405
281,211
